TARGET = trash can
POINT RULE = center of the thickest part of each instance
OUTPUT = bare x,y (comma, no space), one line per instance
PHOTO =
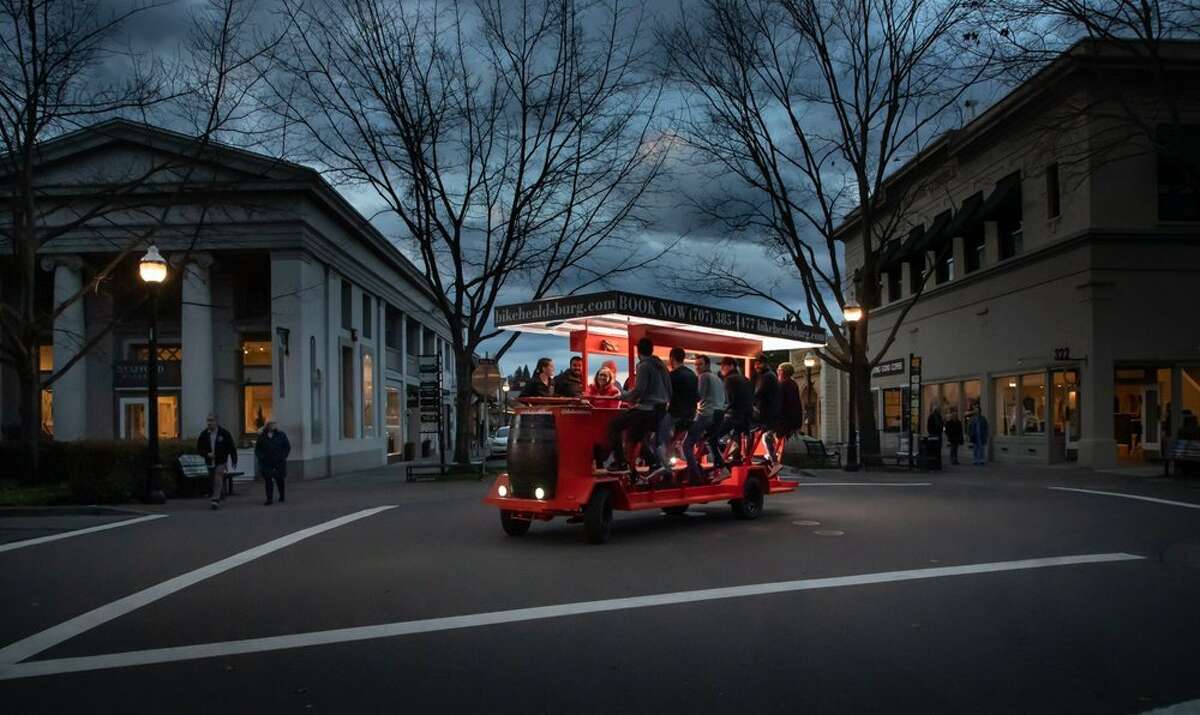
931,453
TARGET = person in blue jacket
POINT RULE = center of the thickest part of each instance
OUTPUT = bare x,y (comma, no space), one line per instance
272,450
977,430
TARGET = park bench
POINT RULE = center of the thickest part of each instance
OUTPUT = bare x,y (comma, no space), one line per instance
194,470
1181,452
816,451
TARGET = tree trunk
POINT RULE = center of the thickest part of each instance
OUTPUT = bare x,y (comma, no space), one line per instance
462,408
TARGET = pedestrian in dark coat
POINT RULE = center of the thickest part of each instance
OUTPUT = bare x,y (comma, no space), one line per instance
977,429
219,450
954,434
791,410
271,450
766,403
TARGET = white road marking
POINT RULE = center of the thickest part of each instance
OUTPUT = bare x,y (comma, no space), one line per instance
476,620
863,484
1185,504
38,642
77,532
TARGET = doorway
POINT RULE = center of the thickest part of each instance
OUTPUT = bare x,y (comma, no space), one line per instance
133,417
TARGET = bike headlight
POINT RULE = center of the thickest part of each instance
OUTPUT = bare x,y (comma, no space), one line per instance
502,490
539,493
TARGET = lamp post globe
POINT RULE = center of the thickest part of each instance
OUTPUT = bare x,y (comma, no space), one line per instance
153,271
810,361
853,312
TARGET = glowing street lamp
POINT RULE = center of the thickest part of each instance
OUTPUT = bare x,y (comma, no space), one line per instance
853,313
810,361
153,271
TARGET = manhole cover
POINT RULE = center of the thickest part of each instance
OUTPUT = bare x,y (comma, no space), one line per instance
828,532
807,523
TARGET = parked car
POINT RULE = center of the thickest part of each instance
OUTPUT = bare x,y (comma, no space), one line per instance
499,441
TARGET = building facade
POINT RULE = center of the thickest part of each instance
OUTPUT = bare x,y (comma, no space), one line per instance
1054,254
283,303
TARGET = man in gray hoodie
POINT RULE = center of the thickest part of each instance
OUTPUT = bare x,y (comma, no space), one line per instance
649,397
711,412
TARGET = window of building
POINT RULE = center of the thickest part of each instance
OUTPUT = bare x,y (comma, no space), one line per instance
943,269
1010,218
1006,405
1065,414
166,353
1033,403
368,321
368,394
47,412
315,387
253,297
46,358
347,305
349,428
893,283
429,347
256,352
1052,196
133,417
395,439
1189,406
393,326
916,275
257,409
974,246
893,409
1179,173
414,337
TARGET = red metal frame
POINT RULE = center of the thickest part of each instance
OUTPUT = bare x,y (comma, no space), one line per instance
580,426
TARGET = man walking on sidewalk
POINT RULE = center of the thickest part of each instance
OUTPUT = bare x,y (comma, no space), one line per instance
216,445
272,450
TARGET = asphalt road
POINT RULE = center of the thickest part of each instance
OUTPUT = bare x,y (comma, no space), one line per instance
880,598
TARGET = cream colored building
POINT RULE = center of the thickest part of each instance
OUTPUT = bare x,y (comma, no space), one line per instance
1064,295
289,305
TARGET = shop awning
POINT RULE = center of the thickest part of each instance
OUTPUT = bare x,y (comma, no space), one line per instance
936,236
892,253
966,215
1007,188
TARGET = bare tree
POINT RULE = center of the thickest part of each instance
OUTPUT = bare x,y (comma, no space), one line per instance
808,106
1124,44
512,140
51,53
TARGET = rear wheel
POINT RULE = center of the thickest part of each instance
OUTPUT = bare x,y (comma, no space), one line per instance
597,516
513,525
675,510
751,504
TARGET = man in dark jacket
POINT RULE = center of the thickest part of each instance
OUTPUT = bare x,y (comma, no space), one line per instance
570,382
217,447
766,402
739,405
685,393
272,450
954,434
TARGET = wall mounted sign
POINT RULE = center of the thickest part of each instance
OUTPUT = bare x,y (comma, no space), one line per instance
132,373
888,368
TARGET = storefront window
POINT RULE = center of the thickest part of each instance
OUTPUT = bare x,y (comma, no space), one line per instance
951,398
893,407
368,395
931,397
257,409
45,358
1066,404
47,413
972,393
1006,405
1033,403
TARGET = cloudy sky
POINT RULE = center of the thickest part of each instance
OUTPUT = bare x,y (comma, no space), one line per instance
164,32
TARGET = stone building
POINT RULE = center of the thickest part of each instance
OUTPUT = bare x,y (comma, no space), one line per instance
1060,258
285,303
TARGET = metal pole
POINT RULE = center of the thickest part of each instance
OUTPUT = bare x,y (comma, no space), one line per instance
809,400
852,447
154,494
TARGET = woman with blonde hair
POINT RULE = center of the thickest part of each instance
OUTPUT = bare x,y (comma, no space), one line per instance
603,392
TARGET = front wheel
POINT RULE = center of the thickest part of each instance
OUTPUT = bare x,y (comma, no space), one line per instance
513,525
751,504
597,517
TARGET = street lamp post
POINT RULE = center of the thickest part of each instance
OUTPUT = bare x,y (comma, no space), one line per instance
852,313
810,361
505,388
153,271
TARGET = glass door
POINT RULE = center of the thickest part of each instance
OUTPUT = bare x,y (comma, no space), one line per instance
133,417
1151,418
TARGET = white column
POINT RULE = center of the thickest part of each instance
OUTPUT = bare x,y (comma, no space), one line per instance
70,390
197,333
